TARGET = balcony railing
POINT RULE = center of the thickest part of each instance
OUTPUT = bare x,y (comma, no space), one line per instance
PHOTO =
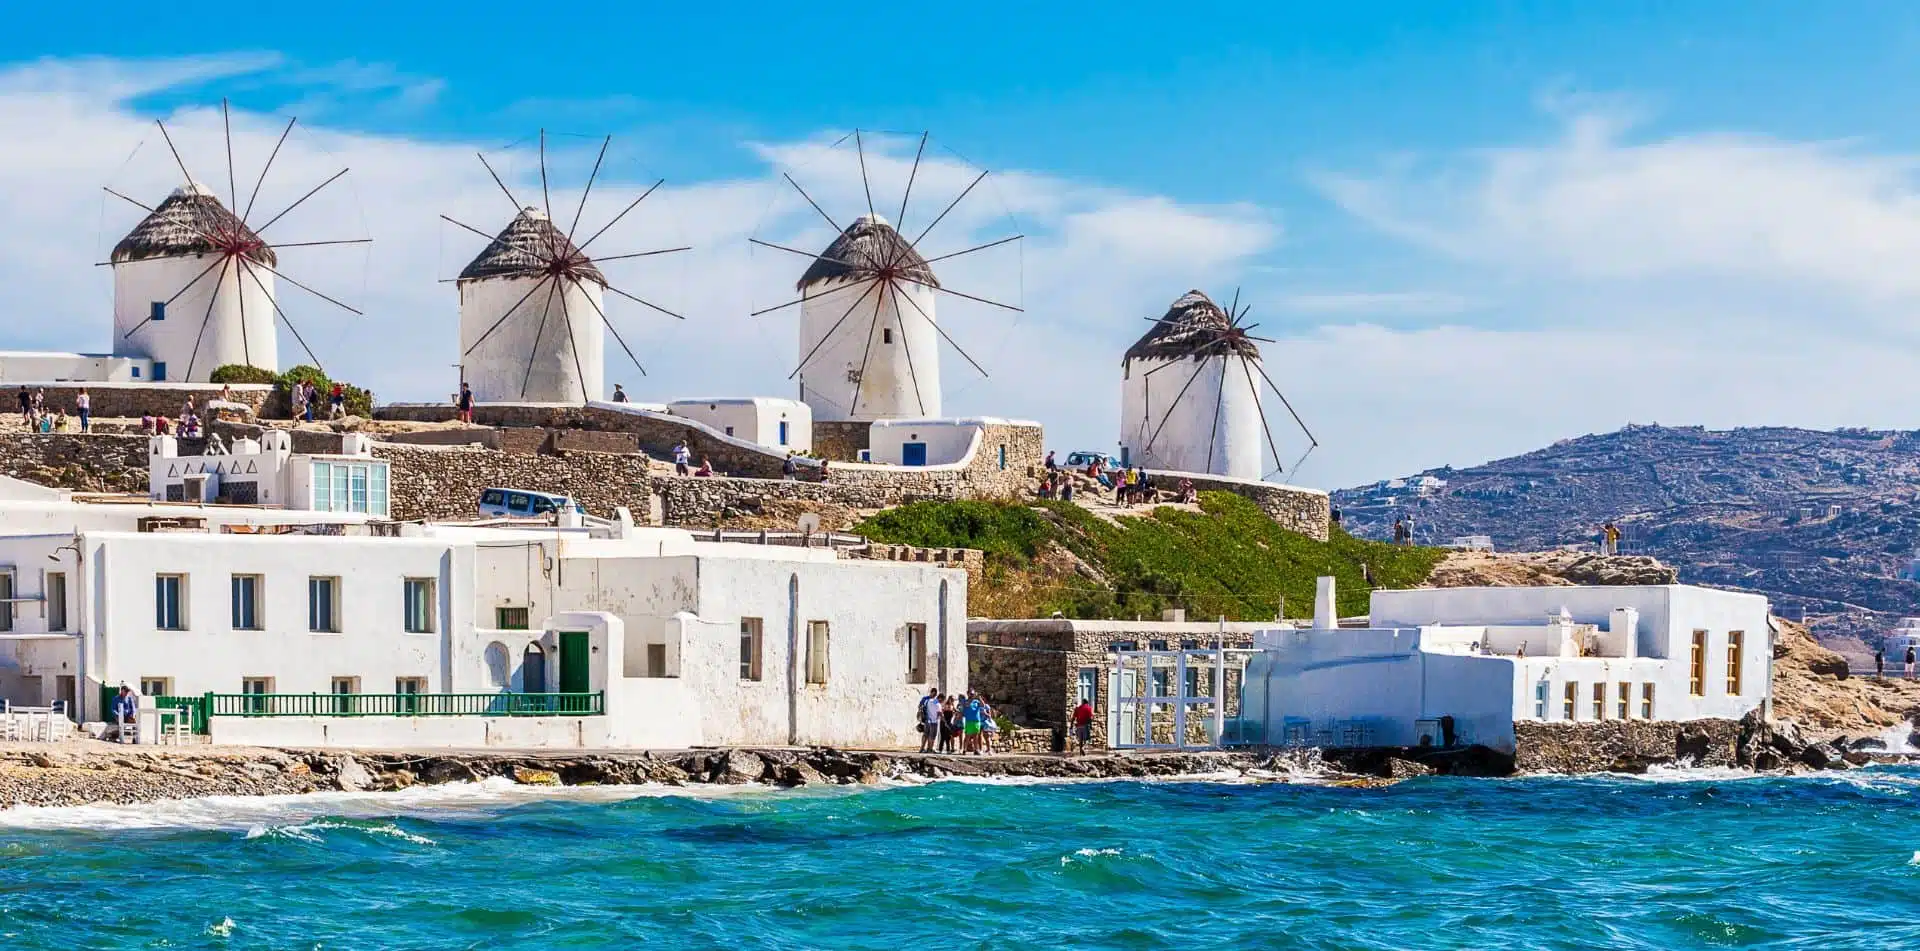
406,704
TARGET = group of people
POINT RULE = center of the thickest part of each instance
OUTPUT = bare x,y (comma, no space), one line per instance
37,418
955,723
1403,530
1880,662
1609,539
306,401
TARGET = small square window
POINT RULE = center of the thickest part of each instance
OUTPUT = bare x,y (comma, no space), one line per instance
886,335
510,619
420,605
157,310
156,686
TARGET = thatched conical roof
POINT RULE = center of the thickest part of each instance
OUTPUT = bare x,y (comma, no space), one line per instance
1194,326
526,248
867,245
183,225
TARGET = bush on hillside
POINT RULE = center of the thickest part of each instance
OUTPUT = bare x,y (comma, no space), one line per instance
242,373
1227,559
359,401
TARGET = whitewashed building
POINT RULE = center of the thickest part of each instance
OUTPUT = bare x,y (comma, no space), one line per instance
769,422
869,349
1189,400
179,310
1463,664
335,628
530,333
269,472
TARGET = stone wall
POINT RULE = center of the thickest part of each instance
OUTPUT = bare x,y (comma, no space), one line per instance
1307,511
445,483
140,399
653,434
1622,746
840,440
93,462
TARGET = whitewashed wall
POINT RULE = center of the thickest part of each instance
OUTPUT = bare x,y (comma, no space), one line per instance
755,418
950,442
529,350
19,366
239,328
897,379
1211,426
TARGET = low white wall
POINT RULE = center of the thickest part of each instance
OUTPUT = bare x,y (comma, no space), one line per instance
414,732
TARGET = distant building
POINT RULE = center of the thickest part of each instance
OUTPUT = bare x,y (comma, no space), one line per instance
771,422
1469,662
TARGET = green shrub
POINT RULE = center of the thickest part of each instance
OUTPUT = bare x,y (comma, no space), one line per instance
241,373
1227,559
359,401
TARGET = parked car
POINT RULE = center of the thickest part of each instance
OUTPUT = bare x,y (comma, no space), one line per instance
521,503
1082,458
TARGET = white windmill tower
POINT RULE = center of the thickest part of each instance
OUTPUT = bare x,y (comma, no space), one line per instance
1189,399
870,372
869,335
532,304
194,284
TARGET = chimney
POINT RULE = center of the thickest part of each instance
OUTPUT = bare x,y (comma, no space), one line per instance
1623,623
1326,616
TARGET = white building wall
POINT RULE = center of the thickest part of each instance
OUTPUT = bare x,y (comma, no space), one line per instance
527,350
239,328
210,655
22,366
948,441
756,419
881,362
1211,426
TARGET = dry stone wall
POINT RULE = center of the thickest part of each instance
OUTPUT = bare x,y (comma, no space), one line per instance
1306,511
91,462
445,483
840,440
111,400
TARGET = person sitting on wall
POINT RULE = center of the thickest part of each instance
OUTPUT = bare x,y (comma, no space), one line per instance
1066,492
706,468
619,394
1188,494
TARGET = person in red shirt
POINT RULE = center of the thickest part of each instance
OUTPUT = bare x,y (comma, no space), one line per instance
1083,724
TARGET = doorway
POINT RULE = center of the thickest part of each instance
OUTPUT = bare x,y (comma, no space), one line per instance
533,670
574,675
913,454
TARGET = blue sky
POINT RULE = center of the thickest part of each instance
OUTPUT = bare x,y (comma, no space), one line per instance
1456,216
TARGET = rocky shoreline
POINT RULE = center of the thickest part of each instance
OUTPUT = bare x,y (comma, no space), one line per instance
85,773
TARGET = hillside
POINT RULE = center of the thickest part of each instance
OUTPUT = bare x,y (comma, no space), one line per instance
1822,522
1228,558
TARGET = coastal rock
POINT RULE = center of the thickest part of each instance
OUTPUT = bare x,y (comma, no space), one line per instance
529,776
351,776
396,779
799,774
1398,768
736,767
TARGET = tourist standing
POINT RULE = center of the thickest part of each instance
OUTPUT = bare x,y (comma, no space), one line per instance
682,457
1908,666
971,714
125,707
466,403
339,400
989,728
949,723
789,469
930,720
1052,466
619,394
26,406
1879,662
84,404
1083,724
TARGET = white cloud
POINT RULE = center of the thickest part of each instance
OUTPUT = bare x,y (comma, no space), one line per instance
1093,262
1363,304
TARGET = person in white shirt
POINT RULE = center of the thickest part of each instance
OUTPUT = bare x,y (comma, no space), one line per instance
929,720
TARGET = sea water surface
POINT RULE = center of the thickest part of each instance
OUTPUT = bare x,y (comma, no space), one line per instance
1679,861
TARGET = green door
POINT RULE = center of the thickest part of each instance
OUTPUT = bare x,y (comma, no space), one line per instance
574,677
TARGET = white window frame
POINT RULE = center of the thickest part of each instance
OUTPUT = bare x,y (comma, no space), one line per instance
245,594
331,623
148,688
170,608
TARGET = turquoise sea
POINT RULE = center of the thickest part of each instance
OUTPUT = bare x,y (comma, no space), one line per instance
1680,861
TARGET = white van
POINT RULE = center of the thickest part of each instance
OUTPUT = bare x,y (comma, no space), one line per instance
521,503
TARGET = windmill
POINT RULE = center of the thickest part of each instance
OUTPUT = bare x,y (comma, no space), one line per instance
193,257
1191,396
869,334
522,298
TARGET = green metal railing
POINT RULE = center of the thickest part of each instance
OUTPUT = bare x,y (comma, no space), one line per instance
196,708
406,704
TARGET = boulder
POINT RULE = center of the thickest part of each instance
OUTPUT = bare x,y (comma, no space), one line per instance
1822,756
351,776
798,774
736,767
397,779
1398,768
1868,743
529,776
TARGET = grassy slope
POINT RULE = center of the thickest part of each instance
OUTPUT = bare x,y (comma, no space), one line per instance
1229,559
